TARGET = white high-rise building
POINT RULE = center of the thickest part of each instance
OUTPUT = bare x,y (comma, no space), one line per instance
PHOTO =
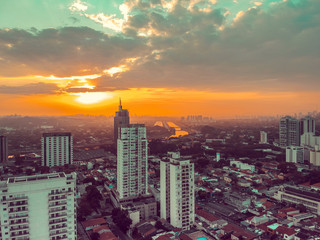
57,149
38,207
295,154
177,200
263,137
289,132
132,161
307,125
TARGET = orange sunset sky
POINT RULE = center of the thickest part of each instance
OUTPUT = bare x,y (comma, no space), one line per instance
162,57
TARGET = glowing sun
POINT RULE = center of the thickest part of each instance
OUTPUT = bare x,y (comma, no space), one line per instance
92,97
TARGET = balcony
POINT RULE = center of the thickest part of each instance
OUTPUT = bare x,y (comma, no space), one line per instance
58,233
57,216
53,222
57,227
19,222
60,193
57,204
20,228
61,209
18,216
57,198
18,210
20,234
21,203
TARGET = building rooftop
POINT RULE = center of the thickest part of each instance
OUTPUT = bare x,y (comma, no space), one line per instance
36,177
302,193
56,134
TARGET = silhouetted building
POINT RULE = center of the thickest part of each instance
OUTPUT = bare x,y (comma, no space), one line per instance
57,149
120,120
3,149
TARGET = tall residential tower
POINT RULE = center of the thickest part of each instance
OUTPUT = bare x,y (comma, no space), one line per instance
177,200
132,161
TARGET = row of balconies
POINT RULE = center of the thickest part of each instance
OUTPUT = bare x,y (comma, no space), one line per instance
51,222
18,203
18,216
18,222
55,233
60,203
19,209
61,197
55,216
20,234
17,228
56,210
55,227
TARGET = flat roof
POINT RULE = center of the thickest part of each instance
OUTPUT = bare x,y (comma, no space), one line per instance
36,177
302,193
57,134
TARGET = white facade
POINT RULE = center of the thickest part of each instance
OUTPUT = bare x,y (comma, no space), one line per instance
263,137
315,156
309,139
178,175
289,132
295,154
132,161
57,149
38,207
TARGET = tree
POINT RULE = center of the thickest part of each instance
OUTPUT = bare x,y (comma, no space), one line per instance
301,207
95,236
84,208
121,219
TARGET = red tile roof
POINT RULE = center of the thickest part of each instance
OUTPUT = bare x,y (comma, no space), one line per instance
94,222
206,215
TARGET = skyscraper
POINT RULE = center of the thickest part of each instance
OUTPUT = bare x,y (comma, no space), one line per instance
120,120
177,201
289,132
57,149
132,161
38,207
3,149
307,125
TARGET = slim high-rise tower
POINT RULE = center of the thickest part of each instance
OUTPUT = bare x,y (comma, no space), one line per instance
132,161
289,132
120,120
57,149
3,149
177,201
38,207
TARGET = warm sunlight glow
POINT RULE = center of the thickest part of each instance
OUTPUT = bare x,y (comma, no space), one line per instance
114,70
92,97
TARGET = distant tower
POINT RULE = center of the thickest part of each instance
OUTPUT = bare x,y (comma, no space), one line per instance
132,161
307,125
177,200
3,149
57,149
120,120
263,137
289,132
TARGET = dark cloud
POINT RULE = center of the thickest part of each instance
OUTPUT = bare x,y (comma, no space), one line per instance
63,52
30,89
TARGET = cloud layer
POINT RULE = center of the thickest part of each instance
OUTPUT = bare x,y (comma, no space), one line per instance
175,44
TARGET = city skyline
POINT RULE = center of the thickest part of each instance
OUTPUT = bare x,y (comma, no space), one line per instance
163,58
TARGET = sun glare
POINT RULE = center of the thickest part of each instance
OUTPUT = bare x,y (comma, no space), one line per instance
92,97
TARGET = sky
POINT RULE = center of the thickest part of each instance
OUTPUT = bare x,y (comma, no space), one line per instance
162,57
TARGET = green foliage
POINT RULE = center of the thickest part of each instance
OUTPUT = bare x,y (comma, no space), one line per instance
121,219
158,147
95,236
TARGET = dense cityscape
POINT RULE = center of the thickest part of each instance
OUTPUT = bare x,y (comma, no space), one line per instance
218,179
